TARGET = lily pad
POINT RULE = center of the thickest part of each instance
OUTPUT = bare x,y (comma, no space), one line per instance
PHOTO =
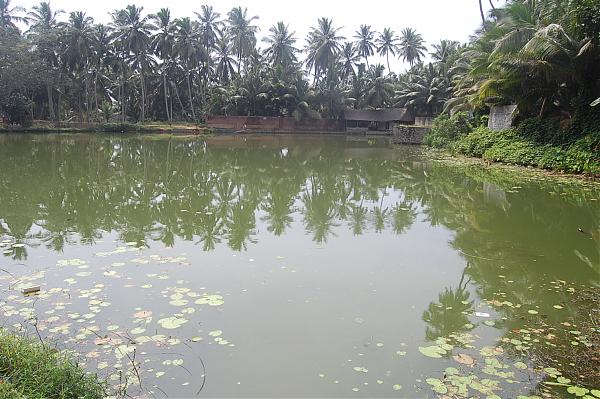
433,351
171,323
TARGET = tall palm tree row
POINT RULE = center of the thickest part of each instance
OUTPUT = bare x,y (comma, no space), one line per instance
542,55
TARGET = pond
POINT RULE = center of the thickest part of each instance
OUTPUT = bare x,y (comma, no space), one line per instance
290,266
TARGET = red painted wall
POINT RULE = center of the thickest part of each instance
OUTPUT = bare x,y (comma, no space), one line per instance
273,124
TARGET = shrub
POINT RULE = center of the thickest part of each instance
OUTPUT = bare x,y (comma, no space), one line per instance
543,131
447,129
476,143
16,109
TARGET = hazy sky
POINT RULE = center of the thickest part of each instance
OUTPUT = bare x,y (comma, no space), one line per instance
434,19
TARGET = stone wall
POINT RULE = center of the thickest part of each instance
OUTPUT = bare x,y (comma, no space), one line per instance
501,117
409,134
424,121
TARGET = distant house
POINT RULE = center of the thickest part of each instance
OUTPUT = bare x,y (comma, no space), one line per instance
377,120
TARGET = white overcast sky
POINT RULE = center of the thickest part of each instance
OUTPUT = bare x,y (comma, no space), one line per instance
434,19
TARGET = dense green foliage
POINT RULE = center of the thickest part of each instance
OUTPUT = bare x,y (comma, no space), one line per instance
542,56
535,142
34,371
143,67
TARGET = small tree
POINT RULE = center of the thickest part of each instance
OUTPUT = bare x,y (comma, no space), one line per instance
107,111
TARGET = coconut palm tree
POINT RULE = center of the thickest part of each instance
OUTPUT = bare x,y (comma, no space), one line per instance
162,46
78,41
425,91
44,33
387,43
43,16
445,50
133,31
10,16
412,46
365,45
188,49
349,58
210,26
224,60
323,48
281,50
242,33
379,93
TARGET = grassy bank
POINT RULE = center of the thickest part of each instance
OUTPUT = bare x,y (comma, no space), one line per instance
47,127
31,370
541,143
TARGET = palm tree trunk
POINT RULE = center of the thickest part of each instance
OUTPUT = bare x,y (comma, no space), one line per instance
50,101
481,12
543,107
388,62
178,97
189,84
142,81
166,90
87,96
96,90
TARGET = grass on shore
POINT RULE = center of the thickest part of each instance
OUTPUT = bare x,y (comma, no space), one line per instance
150,127
33,370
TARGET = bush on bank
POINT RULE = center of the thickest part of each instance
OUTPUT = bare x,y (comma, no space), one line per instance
537,142
32,370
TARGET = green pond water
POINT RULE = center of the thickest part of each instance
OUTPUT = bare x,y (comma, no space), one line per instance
288,266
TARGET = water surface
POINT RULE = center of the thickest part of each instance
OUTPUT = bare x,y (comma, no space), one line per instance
283,266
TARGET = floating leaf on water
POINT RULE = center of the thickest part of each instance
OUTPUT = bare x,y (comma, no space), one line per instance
142,314
216,333
532,311
521,366
464,359
360,369
489,323
563,380
559,307
401,353
379,345
171,323
595,392
552,371
432,351
577,391
396,387
123,350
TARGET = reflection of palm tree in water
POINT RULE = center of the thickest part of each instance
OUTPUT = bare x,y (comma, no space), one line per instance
449,315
